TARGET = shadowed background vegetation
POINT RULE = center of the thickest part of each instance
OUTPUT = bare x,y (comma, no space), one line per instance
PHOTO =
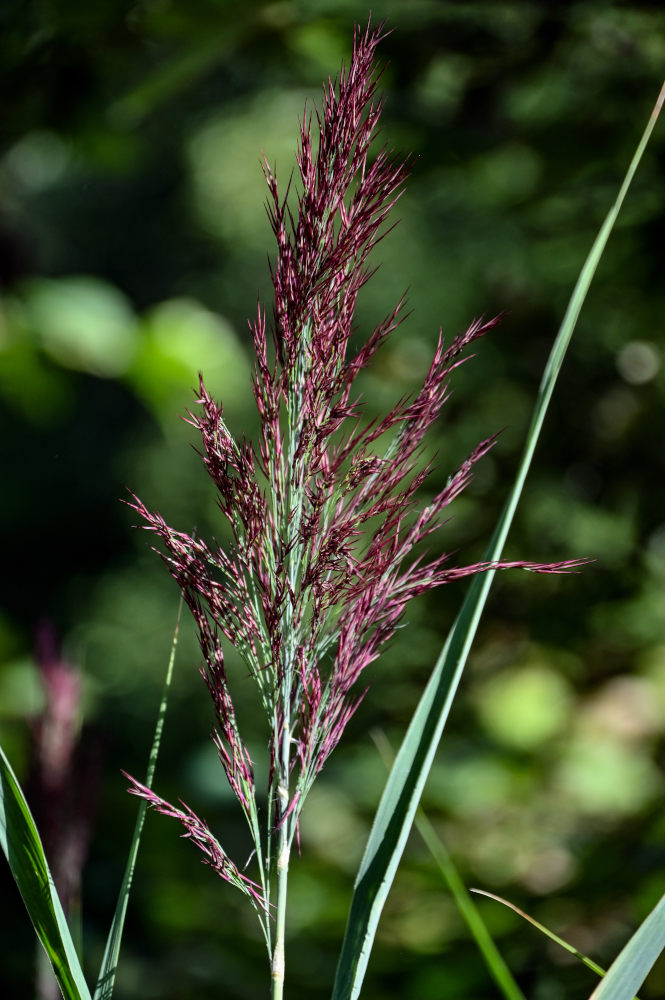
133,243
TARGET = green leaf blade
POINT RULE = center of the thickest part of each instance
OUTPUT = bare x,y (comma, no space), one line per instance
629,970
23,849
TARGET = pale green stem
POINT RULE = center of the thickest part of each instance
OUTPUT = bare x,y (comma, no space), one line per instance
283,852
280,917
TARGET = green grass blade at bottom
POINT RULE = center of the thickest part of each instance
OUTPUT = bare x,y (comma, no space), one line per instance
494,961
493,958
107,972
627,972
401,795
23,849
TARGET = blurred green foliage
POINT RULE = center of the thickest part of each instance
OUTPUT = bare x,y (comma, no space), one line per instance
134,242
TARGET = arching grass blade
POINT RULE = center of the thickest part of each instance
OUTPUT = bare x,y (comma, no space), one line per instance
589,962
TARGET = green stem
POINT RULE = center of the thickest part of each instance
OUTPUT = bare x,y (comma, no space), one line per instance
280,917
283,852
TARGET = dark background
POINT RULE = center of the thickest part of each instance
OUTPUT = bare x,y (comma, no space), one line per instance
133,242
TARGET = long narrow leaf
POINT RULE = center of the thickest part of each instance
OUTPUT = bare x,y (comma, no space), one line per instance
494,961
627,972
23,849
403,790
106,978
493,958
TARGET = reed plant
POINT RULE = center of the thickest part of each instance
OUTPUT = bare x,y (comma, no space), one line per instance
328,546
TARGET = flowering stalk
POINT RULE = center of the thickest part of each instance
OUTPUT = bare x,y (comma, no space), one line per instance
323,511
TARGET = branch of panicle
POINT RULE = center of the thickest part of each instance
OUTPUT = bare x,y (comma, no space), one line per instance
217,608
195,568
198,831
232,468
232,752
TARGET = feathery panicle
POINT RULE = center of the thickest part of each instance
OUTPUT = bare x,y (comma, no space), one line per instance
323,512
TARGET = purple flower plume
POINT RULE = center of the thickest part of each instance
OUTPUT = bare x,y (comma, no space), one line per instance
323,511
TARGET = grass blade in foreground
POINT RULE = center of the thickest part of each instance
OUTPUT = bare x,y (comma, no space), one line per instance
496,966
627,972
401,795
106,978
493,958
24,852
